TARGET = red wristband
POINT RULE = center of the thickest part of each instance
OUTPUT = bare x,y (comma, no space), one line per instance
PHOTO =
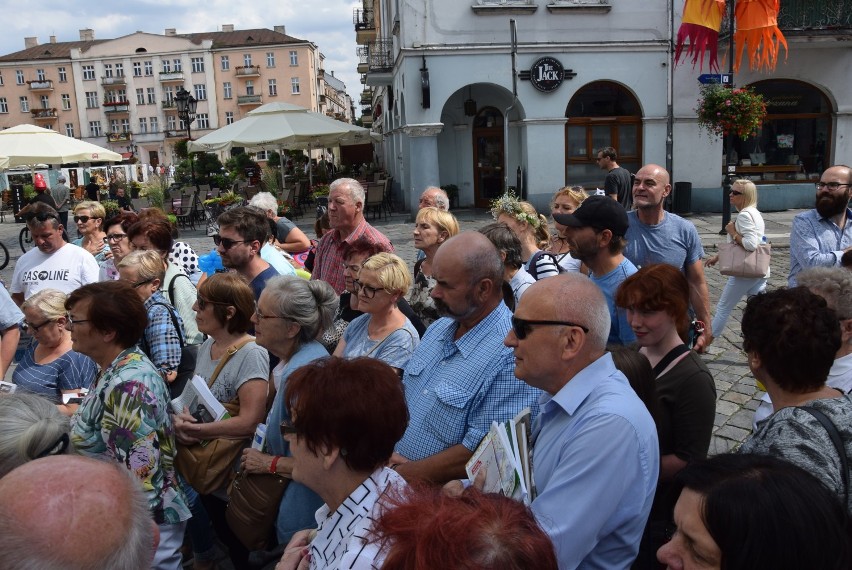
274,467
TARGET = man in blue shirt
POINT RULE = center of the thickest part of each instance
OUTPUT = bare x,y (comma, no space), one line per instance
595,450
821,236
460,378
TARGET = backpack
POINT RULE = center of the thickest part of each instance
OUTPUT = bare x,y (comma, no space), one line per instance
533,264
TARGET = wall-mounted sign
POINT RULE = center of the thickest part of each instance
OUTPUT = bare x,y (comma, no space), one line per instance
546,74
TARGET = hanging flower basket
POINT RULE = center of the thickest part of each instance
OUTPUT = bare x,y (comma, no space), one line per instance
723,111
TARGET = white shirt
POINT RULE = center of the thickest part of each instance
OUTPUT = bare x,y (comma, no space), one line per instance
66,269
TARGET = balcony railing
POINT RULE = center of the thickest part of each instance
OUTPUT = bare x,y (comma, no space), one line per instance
363,19
173,134
169,104
119,137
247,70
117,107
43,113
827,15
45,85
249,100
113,80
381,55
171,76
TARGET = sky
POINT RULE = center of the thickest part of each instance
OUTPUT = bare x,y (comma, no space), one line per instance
328,24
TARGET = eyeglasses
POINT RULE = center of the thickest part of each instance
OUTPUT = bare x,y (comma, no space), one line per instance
140,283
202,303
353,267
288,429
114,237
227,243
736,193
72,321
28,326
366,290
84,219
831,185
261,316
41,217
58,447
522,327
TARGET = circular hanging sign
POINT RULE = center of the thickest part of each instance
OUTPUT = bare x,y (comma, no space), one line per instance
546,74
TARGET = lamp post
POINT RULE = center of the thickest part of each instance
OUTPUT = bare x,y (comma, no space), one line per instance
186,105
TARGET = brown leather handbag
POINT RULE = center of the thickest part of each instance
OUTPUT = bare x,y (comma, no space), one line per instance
253,503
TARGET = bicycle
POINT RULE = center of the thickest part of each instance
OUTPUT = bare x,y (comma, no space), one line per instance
24,238
4,256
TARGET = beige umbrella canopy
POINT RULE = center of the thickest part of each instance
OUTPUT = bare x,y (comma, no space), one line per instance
26,145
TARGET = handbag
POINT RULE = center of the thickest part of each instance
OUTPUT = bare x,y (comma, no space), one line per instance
208,465
188,356
253,503
737,261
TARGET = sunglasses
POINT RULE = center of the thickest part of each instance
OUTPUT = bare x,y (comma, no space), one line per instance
227,243
523,327
27,326
41,217
288,429
202,303
84,219
736,193
140,283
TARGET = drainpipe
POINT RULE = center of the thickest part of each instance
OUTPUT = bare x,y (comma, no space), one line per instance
513,33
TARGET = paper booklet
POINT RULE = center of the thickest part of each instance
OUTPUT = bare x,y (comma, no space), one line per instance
200,402
7,387
504,456
74,397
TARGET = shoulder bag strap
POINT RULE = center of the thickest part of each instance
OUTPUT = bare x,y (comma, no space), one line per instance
232,350
669,358
170,289
381,342
838,446
174,322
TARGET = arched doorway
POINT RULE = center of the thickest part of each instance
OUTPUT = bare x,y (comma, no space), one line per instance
601,114
488,156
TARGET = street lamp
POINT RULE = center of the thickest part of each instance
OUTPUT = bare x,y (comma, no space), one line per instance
186,105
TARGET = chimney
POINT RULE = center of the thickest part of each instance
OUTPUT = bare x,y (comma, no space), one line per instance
87,35
53,39
171,32
280,30
30,42
227,27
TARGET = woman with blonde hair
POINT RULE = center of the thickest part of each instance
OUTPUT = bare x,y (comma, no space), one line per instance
532,230
747,231
565,201
49,368
383,332
89,217
431,228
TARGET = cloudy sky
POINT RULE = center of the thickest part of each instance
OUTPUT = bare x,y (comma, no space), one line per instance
328,24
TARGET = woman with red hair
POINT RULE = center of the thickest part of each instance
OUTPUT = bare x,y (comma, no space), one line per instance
657,300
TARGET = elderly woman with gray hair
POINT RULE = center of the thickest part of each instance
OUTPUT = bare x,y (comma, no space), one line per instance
288,237
291,314
30,428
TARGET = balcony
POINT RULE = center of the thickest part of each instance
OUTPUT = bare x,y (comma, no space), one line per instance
116,107
169,76
113,81
119,137
320,73
365,26
363,53
367,97
173,134
380,62
44,85
247,70
322,98
169,104
249,100
367,120
829,18
43,114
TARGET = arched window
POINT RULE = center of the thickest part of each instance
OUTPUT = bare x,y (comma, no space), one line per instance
601,114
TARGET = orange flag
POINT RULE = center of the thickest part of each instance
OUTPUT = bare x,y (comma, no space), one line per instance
701,22
758,34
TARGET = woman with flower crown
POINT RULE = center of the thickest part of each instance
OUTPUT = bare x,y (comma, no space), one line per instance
532,231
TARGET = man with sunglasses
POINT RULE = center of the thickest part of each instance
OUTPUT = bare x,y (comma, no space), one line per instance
53,263
820,237
595,449
460,378
242,233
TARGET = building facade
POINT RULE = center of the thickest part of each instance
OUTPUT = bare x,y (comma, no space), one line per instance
119,93
439,85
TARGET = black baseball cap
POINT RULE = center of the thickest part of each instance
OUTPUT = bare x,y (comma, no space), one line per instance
599,212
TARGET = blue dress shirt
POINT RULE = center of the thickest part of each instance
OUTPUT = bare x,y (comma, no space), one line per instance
817,242
596,461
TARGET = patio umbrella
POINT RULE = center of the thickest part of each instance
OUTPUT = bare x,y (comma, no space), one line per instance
26,145
4,162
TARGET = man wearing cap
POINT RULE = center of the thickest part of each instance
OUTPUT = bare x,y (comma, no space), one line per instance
61,194
596,232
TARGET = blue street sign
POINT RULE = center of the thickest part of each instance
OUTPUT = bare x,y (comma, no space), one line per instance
710,78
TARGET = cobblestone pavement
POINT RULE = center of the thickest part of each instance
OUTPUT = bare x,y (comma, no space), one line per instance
736,390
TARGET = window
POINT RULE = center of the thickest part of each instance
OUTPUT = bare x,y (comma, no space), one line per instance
125,125
143,125
4,105
155,125
249,87
152,95
95,128
273,88
1,76
171,123
113,125
294,58
91,99
262,155
226,90
270,59
140,96
247,59
45,102
107,70
167,66
19,77
229,116
63,75
137,69
203,120
149,68
177,65
198,65
119,70
294,86
66,102
200,91
40,75
226,63
69,130
121,96
88,72
25,104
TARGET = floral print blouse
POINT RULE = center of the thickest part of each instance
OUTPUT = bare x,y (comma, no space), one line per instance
125,418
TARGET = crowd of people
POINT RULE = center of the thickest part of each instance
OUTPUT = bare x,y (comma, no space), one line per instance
343,409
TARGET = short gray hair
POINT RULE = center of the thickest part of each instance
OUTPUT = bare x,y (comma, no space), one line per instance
30,426
61,178
834,284
265,201
311,304
442,200
356,191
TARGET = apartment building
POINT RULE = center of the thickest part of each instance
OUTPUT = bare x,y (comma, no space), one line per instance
119,93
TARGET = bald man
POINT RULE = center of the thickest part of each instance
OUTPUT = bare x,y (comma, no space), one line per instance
70,512
657,236
596,454
460,378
